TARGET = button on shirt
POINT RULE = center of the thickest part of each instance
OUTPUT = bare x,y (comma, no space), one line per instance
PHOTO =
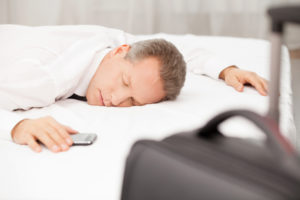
41,65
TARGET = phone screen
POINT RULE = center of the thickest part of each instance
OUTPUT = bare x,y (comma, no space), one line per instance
83,138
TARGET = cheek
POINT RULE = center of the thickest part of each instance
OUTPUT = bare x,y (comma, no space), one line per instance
107,79
112,78
92,90
100,80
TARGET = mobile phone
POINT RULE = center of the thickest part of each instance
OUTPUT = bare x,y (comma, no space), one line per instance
83,138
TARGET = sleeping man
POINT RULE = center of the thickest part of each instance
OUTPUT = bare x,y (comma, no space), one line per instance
105,69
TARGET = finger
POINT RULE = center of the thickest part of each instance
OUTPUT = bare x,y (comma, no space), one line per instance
70,130
64,131
265,85
57,137
254,81
67,128
32,143
234,82
44,138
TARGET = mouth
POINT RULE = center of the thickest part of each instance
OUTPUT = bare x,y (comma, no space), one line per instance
101,98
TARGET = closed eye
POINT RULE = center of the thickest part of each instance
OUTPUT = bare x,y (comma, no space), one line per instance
125,80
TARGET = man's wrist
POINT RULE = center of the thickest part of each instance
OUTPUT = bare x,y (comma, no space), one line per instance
15,127
223,73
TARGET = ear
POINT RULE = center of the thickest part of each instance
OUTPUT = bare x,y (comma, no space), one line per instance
121,50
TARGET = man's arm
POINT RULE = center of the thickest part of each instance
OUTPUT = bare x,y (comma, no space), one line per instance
200,61
46,130
237,78
36,78
55,136
22,90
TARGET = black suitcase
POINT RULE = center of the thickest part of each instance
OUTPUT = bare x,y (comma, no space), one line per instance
204,164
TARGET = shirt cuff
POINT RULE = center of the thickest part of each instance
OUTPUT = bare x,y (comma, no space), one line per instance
214,67
8,122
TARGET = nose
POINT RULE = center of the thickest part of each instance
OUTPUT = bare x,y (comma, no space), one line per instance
121,98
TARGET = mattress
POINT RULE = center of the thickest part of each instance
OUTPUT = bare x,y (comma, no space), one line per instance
96,171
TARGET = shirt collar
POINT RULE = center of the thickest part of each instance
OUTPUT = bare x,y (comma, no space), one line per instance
81,89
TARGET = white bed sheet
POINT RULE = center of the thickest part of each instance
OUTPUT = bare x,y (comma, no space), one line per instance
96,171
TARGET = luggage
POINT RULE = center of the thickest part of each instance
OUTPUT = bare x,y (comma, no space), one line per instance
204,164
279,16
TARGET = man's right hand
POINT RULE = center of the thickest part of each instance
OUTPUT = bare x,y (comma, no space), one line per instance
46,130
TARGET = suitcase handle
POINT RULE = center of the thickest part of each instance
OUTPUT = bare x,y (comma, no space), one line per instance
279,16
275,139
282,14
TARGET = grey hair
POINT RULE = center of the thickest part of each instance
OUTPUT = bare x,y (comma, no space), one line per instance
173,66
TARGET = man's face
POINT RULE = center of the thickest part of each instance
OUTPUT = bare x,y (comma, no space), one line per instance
119,82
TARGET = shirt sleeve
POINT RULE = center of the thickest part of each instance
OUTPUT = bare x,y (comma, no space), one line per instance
203,62
23,85
8,120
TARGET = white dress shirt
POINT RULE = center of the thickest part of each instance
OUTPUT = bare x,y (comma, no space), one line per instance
39,67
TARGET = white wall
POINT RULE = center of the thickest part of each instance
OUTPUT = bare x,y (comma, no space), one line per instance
242,18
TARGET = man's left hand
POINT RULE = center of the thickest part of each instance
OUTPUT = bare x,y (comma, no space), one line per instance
237,78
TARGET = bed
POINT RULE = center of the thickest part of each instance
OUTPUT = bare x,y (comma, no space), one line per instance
96,171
